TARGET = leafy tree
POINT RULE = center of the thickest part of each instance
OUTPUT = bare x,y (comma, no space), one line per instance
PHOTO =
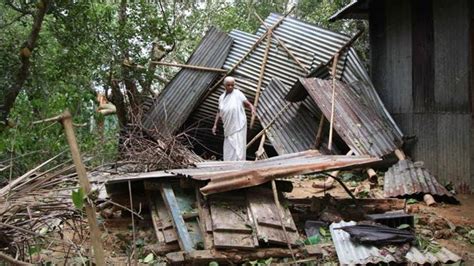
57,54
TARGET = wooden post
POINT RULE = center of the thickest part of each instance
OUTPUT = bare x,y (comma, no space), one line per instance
259,154
190,66
280,215
262,72
400,154
66,120
331,123
429,200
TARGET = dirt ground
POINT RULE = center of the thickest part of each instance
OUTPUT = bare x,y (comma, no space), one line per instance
447,224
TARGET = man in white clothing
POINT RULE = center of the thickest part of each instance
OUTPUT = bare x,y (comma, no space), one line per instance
231,111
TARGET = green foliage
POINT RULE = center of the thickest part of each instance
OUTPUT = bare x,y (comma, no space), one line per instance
81,48
261,262
403,226
78,198
427,245
412,201
149,259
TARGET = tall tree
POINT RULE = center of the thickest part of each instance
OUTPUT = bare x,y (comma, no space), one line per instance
25,53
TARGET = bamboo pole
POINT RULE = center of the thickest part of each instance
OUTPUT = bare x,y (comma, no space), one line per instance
189,66
400,154
66,120
257,42
282,44
262,72
269,125
17,181
261,150
331,123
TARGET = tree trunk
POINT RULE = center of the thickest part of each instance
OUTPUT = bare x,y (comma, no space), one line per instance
25,53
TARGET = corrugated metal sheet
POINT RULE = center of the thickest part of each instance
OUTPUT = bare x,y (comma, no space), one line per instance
350,253
405,178
278,65
304,38
318,46
359,125
180,97
451,57
227,176
295,129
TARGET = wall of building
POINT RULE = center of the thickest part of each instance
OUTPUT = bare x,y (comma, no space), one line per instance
421,53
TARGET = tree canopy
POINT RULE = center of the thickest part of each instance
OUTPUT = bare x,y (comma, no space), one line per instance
57,55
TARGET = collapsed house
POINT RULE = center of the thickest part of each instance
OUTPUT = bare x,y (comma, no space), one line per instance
317,111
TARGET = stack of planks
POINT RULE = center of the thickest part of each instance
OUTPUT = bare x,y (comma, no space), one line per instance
186,221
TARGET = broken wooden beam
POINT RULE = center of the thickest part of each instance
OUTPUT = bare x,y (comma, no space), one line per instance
184,239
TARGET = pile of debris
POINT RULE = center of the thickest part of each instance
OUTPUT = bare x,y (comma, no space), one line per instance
205,211
236,211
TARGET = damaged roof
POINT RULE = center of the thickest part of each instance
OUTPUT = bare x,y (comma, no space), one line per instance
227,176
318,46
363,129
235,176
350,253
407,178
295,128
181,95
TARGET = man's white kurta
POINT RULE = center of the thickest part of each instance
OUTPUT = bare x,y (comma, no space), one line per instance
231,109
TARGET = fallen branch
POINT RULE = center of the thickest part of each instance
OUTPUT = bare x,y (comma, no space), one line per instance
12,261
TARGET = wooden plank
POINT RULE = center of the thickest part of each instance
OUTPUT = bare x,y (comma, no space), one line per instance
157,225
186,199
167,227
231,225
267,225
184,239
204,221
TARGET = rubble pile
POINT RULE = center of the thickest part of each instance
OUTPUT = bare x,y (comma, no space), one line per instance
317,112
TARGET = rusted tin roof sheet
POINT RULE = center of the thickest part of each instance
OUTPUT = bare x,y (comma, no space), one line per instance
231,177
362,128
406,178
350,253
181,95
